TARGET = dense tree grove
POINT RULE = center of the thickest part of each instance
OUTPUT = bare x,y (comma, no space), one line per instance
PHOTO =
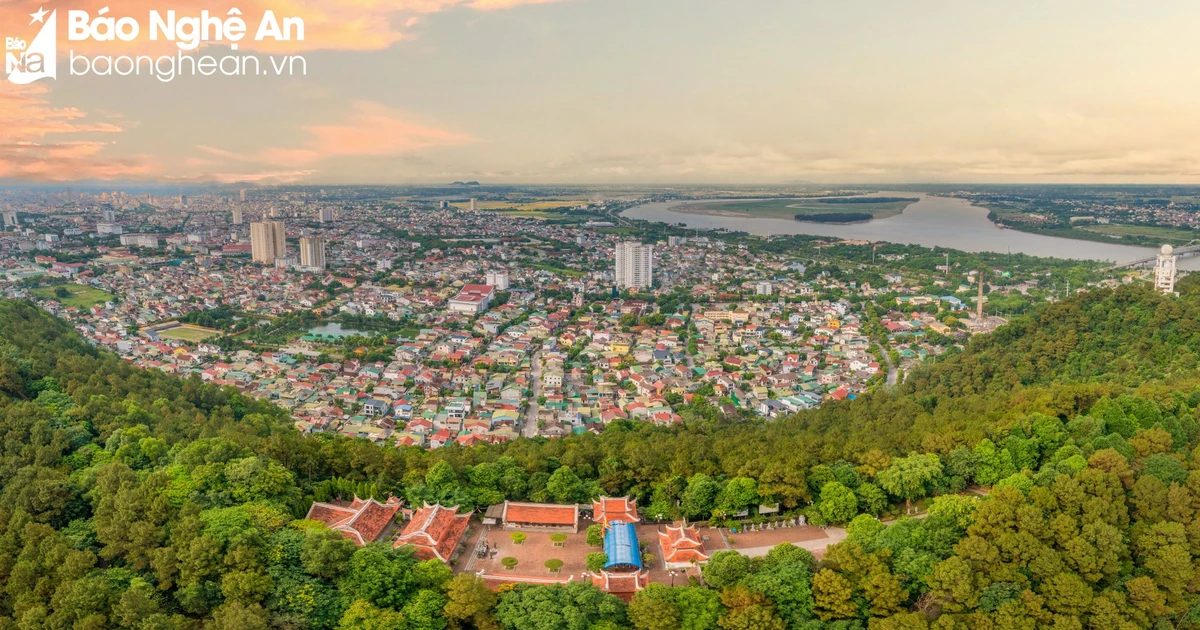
1050,469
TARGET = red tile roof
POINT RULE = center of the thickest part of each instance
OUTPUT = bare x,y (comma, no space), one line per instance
434,531
362,521
540,514
682,544
608,509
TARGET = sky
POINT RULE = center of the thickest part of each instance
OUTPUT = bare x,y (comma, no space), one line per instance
635,92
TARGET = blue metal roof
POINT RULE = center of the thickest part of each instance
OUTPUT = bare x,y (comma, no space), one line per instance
621,546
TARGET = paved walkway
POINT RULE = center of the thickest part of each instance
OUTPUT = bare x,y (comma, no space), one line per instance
803,539
531,415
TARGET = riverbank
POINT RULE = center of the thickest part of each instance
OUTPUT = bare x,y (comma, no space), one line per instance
933,221
1133,235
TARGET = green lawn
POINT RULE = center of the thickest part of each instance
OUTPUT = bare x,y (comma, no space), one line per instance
1166,234
80,295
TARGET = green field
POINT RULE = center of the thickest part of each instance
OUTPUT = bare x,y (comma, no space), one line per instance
80,296
1171,235
530,214
187,333
789,208
545,204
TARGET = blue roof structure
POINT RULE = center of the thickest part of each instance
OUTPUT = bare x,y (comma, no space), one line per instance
621,547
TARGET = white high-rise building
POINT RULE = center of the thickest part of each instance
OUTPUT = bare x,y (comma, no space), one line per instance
10,218
268,241
325,215
497,278
312,252
242,194
635,265
109,216
472,205
1164,270
237,216
140,240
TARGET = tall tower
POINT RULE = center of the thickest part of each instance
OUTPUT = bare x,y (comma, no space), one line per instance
242,194
237,216
325,215
473,205
979,300
634,265
1164,270
267,241
312,252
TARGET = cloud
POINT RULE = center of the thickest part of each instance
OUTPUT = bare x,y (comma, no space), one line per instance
369,130
329,24
259,177
41,142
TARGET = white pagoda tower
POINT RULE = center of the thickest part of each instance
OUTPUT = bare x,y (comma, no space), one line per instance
1164,270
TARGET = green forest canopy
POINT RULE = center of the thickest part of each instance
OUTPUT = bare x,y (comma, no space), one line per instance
130,498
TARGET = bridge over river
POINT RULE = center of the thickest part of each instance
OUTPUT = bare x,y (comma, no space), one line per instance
1182,252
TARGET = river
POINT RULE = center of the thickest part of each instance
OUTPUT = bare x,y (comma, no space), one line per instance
932,222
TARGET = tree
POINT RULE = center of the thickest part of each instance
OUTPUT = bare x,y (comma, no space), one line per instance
700,496
863,530
470,601
518,537
509,562
361,615
699,608
748,610
235,616
908,477
595,535
424,610
596,561
564,486
837,503
326,553
572,606
380,575
558,538
738,494
871,500
725,568
554,564
833,596
246,587
784,576
653,608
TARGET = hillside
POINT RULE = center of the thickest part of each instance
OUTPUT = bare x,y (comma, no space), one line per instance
130,498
